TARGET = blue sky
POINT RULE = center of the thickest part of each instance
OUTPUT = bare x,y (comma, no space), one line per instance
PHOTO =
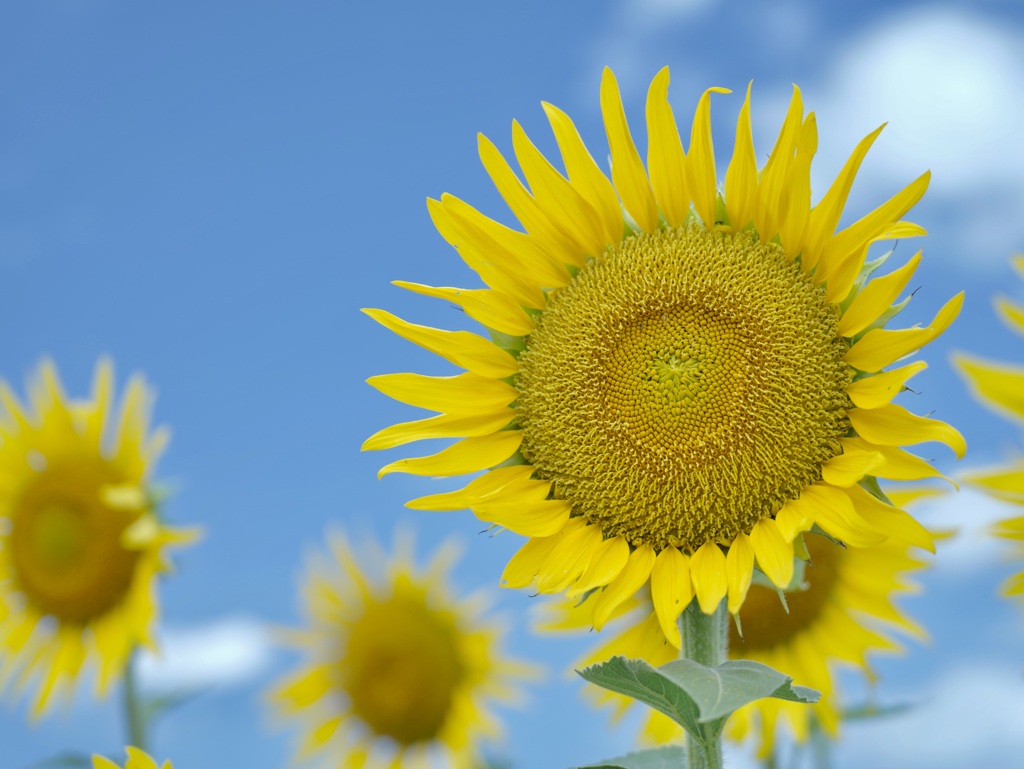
210,192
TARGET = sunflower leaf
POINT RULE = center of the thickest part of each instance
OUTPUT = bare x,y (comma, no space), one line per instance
719,691
637,679
670,757
697,697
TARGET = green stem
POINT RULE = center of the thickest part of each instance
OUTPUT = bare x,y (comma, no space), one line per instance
705,640
134,716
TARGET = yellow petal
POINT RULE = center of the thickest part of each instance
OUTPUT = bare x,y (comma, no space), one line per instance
875,298
700,161
825,215
529,559
844,273
568,559
462,348
879,389
997,384
893,425
898,525
1012,314
879,347
564,206
849,467
585,175
533,218
899,465
666,162
513,262
493,309
1004,483
795,198
628,172
606,563
671,591
466,456
139,759
631,578
834,512
707,570
99,762
739,570
849,242
102,391
487,485
794,518
466,394
530,519
773,177
442,426
741,176
773,552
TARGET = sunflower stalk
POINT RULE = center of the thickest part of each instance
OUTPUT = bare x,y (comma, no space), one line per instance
705,640
135,716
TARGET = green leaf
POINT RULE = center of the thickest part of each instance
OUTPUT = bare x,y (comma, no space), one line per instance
637,679
720,691
692,694
671,757
66,760
867,711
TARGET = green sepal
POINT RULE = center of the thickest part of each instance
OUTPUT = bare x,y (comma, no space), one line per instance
668,757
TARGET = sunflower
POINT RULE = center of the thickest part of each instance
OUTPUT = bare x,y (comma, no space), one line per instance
1001,387
398,673
81,542
678,382
845,612
137,759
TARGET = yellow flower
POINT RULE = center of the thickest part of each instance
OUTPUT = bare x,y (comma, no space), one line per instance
80,540
137,759
1001,387
397,670
671,392
845,612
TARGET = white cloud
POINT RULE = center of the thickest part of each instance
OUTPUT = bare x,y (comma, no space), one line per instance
972,716
224,653
950,83
969,513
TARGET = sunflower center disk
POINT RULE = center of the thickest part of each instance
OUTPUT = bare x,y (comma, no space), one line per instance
683,387
767,624
402,667
65,545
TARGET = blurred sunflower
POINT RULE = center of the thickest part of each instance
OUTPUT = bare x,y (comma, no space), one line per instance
137,759
845,612
677,386
80,539
1000,386
398,672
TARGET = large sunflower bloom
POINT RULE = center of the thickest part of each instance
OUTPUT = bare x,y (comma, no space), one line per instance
137,759
677,386
845,613
1001,387
80,540
398,672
